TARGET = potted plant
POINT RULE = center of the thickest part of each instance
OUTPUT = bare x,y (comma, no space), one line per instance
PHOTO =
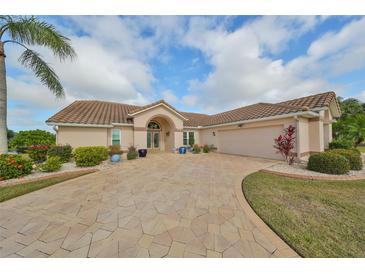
115,153
132,153
142,152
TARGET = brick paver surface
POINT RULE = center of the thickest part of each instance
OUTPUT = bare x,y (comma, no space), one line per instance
165,205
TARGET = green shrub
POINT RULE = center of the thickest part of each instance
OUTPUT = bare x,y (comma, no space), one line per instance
196,149
52,163
340,143
26,138
351,155
206,149
330,163
38,153
63,152
14,166
132,153
90,156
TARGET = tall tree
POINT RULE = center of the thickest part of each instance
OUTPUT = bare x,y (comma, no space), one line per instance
26,32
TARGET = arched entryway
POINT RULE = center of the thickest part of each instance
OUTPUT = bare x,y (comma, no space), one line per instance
160,134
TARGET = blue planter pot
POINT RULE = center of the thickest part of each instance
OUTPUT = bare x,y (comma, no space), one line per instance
142,152
115,158
182,150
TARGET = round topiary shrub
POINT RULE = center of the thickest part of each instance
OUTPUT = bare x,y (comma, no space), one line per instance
53,163
352,155
14,166
330,163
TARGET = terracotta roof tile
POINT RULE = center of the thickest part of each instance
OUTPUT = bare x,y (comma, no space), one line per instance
106,113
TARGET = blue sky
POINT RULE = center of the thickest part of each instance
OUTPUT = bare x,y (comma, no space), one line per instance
201,64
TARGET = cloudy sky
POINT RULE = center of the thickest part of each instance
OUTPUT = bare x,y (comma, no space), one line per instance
201,64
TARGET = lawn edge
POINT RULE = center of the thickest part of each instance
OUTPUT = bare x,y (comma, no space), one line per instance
284,249
89,172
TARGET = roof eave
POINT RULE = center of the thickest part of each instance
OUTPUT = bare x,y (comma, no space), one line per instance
306,114
158,105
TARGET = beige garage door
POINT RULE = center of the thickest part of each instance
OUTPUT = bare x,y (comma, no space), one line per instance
256,142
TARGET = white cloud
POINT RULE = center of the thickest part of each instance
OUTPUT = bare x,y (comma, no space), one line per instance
242,72
190,100
169,96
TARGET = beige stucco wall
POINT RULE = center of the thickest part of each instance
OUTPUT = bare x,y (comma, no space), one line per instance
207,137
316,135
126,136
302,135
82,136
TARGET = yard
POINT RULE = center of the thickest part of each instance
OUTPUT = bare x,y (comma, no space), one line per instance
317,218
12,191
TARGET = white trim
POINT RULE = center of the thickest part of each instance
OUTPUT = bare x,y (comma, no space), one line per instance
78,125
123,124
120,136
188,137
303,113
160,104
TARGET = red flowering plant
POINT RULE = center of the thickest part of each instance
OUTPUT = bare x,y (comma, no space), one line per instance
38,153
14,166
285,144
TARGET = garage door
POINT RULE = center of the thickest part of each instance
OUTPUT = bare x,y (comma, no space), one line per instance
256,142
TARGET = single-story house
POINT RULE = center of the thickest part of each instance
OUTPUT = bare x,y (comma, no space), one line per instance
249,130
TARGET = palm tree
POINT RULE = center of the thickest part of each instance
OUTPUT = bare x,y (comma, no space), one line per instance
356,128
25,32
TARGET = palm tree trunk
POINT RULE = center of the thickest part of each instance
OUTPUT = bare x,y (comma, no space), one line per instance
3,106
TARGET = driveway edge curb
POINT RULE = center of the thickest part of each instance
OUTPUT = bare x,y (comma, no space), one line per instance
283,249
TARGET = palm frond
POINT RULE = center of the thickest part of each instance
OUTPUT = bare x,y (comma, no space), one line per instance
45,73
31,31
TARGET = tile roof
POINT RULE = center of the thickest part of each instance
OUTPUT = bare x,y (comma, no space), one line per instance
106,113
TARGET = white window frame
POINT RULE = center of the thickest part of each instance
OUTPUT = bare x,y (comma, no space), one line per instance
187,135
120,136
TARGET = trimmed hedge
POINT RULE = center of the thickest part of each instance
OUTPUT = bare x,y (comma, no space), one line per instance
352,155
90,156
53,163
14,166
330,163
63,152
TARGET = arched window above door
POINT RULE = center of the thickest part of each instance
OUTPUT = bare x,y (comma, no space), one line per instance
153,125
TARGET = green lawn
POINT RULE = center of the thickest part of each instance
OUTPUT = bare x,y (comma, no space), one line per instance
9,192
316,218
362,149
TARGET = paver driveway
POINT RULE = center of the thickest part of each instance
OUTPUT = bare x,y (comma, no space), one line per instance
165,205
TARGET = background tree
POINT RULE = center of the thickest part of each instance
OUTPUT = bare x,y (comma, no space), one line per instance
25,32
10,134
350,127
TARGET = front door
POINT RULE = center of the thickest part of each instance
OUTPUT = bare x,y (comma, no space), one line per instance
153,139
